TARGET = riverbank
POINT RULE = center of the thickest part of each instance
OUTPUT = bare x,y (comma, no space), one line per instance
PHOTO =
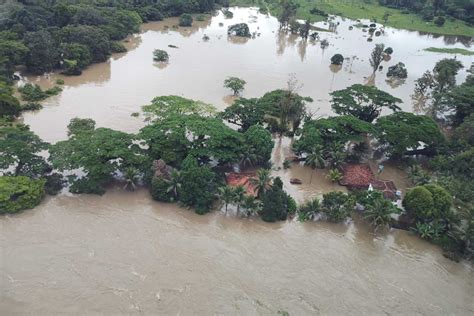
359,9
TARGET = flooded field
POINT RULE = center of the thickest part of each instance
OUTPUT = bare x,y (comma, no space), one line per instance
125,254
110,92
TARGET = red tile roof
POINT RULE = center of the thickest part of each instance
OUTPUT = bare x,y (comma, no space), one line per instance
244,179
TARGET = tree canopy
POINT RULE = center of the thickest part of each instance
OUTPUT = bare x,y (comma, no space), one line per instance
21,151
98,153
404,133
364,102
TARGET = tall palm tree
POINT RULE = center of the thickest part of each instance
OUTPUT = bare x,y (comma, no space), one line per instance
248,157
251,205
226,194
464,231
131,177
379,212
174,183
262,181
315,159
239,196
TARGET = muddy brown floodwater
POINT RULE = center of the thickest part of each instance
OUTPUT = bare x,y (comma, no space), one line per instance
123,253
109,92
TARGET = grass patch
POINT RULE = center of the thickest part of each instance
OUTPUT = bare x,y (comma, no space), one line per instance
458,51
359,9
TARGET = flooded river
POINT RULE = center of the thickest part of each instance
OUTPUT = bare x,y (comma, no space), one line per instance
123,253
110,92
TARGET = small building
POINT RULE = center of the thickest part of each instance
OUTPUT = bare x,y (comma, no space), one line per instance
234,179
361,177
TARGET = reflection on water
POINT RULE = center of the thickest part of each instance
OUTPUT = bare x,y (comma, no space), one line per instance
110,92
91,254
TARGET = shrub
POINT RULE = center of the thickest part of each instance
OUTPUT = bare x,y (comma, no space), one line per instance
337,206
439,21
160,55
54,183
309,210
397,71
185,20
388,51
228,14
117,47
240,29
59,81
34,93
337,59
159,190
419,203
19,193
32,106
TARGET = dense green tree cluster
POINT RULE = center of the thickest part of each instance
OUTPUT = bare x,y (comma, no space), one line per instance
462,10
69,35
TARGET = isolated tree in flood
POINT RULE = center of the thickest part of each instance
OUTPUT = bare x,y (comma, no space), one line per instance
235,84
376,57
160,55
397,71
364,102
337,59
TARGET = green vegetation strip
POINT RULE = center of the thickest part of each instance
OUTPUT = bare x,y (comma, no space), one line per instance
460,51
359,9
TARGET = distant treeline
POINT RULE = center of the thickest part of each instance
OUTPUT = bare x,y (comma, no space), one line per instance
71,34
429,9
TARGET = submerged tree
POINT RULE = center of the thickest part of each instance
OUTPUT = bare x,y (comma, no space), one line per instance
235,84
376,57
337,59
240,29
397,71
160,55
185,20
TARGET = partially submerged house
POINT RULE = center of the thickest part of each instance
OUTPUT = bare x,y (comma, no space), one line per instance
244,179
361,177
